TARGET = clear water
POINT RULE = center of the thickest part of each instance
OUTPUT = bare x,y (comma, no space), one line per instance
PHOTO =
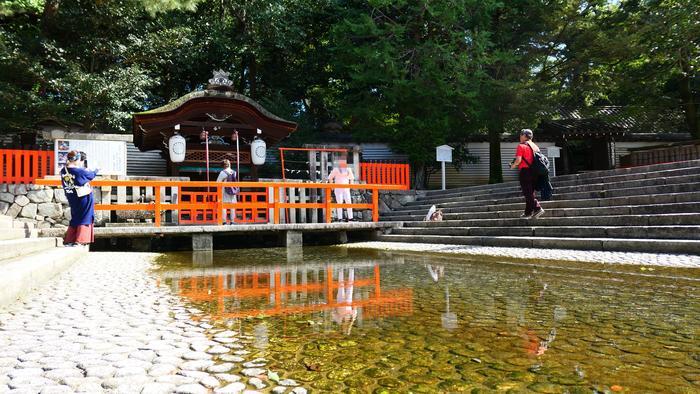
421,323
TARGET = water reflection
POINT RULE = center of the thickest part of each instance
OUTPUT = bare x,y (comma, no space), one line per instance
203,258
361,322
343,294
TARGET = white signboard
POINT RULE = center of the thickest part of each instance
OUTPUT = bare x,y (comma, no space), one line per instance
553,152
108,156
444,153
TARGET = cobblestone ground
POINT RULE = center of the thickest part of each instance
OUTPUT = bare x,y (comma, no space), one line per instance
665,260
106,326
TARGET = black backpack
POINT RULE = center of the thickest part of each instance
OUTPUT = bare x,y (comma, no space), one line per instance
540,166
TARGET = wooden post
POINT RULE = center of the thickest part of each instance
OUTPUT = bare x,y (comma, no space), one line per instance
280,214
121,194
327,200
35,173
292,199
312,165
271,199
375,205
106,199
219,205
174,199
303,200
324,166
156,214
275,206
16,158
356,161
314,211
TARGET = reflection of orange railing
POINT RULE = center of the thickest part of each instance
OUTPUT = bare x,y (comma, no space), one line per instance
24,166
271,188
386,174
268,286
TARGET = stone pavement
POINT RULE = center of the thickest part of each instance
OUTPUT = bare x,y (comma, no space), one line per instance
653,259
106,326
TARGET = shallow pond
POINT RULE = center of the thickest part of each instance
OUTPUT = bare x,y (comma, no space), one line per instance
364,321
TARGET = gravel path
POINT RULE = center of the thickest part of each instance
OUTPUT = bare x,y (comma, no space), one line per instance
106,326
665,260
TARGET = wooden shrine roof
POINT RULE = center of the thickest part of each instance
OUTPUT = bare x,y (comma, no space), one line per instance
192,112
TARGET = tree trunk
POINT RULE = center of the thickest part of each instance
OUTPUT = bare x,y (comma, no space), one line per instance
690,107
241,77
48,18
252,76
420,176
495,167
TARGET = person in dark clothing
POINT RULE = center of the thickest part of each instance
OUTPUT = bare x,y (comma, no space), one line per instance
524,157
75,181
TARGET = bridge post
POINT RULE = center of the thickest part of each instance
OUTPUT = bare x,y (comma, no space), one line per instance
141,244
293,239
342,237
202,241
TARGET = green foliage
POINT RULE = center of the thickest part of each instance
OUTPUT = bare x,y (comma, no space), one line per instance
407,74
413,73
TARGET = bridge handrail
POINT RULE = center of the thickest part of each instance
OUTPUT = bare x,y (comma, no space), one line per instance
158,206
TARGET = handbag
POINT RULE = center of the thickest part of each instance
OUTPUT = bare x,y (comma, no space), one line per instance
82,191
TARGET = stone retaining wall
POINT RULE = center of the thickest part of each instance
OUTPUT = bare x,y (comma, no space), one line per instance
391,200
42,205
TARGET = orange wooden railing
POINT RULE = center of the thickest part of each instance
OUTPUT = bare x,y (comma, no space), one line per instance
24,166
272,188
386,174
210,215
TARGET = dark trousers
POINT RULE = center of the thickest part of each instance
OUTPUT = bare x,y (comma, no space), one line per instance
527,184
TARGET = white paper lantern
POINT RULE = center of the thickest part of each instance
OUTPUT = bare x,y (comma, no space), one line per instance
258,150
177,146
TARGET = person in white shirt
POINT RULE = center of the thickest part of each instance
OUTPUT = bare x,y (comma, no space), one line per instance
342,175
228,193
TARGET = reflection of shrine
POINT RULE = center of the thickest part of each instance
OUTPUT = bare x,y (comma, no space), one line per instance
294,290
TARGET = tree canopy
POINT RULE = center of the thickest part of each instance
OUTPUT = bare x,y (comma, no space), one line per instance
413,73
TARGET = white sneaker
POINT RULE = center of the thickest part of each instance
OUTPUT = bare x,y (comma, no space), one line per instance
538,213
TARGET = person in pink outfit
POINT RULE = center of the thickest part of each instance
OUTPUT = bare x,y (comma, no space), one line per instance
342,175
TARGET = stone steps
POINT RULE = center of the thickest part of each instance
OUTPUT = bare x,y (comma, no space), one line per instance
584,178
14,248
618,210
598,244
25,272
621,210
564,185
6,222
657,232
13,233
674,219
511,198
583,203
651,184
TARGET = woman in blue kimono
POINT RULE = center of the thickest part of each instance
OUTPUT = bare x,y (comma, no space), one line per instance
75,180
